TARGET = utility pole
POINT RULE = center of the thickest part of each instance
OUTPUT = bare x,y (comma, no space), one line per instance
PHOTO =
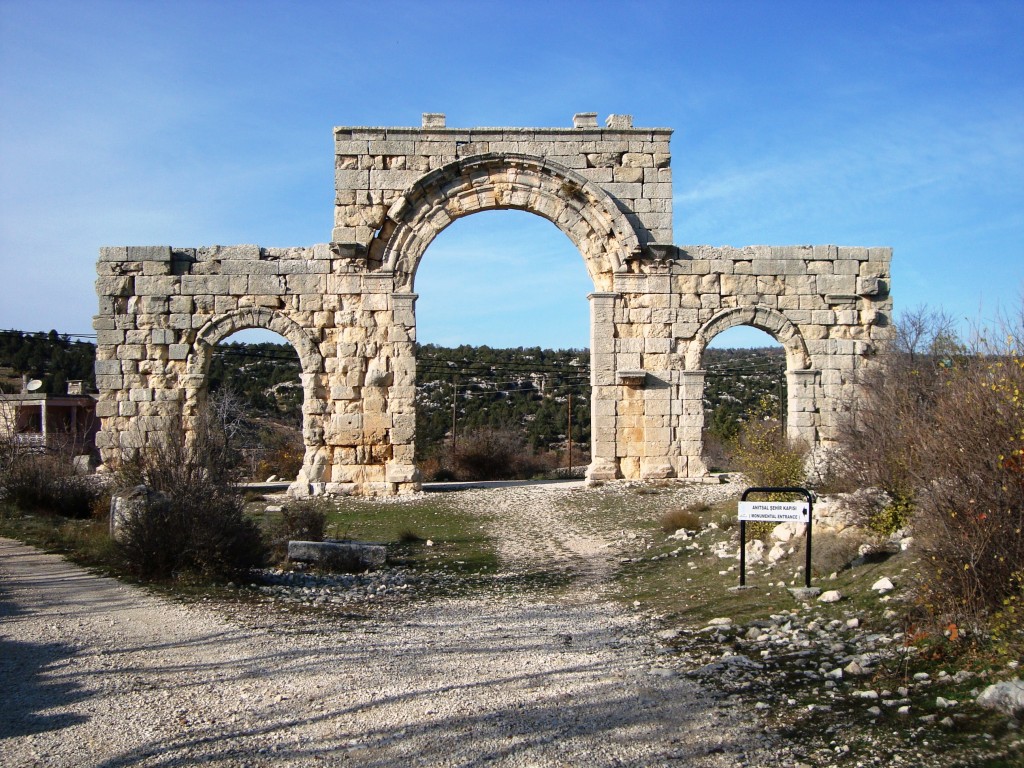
455,398
570,434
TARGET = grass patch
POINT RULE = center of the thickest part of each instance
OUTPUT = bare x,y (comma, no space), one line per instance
419,533
83,541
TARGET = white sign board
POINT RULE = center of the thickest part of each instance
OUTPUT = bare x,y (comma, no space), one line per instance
775,511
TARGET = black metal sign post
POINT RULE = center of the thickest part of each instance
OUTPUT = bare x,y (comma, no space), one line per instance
743,529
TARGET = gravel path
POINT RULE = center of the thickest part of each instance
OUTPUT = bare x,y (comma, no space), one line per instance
97,673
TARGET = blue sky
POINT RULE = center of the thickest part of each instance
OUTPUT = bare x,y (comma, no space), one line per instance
857,123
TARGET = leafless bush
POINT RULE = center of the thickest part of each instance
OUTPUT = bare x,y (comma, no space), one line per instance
33,480
881,440
831,552
970,492
302,520
191,520
942,431
493,454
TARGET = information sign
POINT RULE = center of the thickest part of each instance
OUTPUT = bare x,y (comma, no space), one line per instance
775,511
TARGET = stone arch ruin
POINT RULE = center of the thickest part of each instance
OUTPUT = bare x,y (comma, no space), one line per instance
348,308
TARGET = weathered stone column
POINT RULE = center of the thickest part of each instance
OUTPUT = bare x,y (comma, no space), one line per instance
802,406
603,463
401,468
691,424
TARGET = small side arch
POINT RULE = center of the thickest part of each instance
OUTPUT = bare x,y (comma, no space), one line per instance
218,329
581,209
769,320
313,378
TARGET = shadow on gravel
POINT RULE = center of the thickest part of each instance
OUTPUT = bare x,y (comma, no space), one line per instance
570,712
26,692
558,731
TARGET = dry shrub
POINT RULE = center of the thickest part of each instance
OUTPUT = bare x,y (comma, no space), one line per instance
831,552
494,454
190,519
282,453
38,482
682,519
881,438
970,494
940,427
301,520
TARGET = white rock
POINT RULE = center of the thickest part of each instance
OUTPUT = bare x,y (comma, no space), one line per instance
853,623
904,710
721,621
875,711
755,552
1006,697
777,553
786,531
882,586
832,596
854,669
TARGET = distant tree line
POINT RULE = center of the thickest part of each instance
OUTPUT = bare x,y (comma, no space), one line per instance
524,389
53,358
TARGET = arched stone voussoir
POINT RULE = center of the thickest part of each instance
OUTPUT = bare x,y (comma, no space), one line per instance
771,321
581,209
222,326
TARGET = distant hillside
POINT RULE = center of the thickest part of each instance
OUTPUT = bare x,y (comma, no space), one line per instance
525,389
49,357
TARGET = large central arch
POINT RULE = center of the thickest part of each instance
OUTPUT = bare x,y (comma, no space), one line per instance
583,211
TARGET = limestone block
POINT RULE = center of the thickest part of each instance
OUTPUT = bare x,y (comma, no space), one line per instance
113,254
149,253
267,285
192,285
350,556
115,286
110,337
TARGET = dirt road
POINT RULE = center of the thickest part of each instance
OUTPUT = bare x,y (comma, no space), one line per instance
97,673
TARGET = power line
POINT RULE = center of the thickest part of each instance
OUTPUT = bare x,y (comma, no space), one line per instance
14,332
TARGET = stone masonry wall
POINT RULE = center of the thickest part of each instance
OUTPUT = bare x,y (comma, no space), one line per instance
348,307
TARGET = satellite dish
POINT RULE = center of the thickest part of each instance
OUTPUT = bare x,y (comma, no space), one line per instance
33,385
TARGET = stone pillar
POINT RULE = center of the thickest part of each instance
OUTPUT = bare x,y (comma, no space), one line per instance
691,424
656,459
802,406
603,464
401,469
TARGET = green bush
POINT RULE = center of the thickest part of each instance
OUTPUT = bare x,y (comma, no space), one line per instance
892,517
764,454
